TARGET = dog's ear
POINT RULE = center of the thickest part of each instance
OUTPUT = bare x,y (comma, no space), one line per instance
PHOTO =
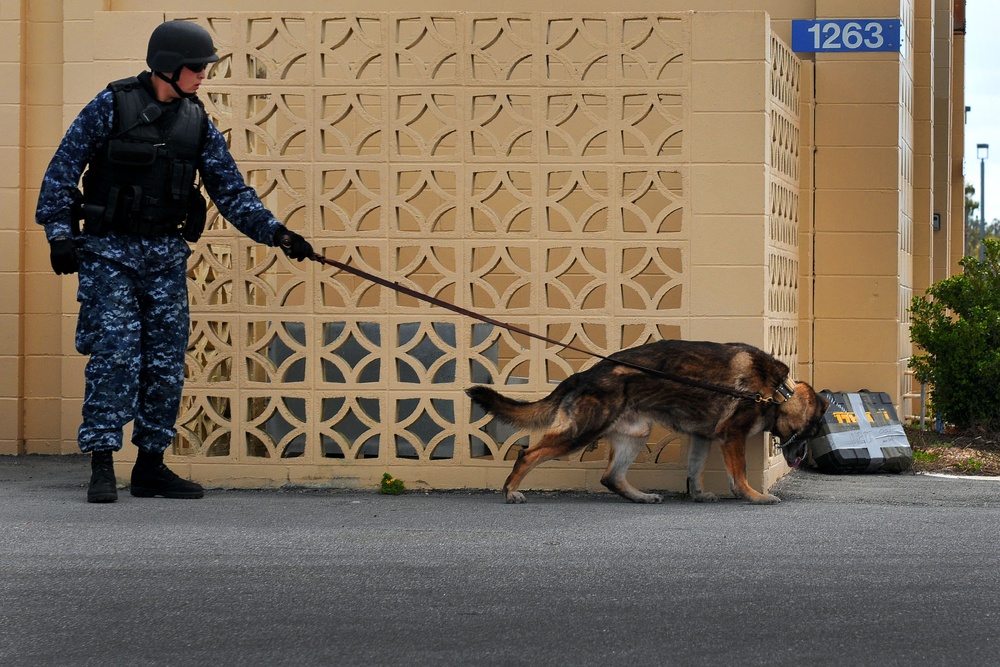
812,406
801,407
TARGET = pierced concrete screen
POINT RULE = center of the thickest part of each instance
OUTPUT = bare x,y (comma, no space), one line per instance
533,167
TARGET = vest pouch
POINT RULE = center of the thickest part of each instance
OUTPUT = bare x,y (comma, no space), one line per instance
181,180
194,224
131,153
95,220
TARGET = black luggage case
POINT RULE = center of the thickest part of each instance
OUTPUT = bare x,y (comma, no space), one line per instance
860,433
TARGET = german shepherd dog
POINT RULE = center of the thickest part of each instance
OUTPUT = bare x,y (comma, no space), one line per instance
748,391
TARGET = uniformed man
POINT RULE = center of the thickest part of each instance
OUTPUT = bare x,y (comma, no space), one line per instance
144,141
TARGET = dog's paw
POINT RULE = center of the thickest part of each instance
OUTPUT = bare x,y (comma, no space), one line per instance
648,498
514,498
766,499
704,497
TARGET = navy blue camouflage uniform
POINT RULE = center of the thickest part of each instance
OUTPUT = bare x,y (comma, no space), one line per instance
134,320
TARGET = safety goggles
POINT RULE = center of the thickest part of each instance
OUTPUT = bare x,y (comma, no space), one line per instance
196,67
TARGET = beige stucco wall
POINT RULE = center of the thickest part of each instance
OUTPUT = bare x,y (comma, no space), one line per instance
802,217
12,202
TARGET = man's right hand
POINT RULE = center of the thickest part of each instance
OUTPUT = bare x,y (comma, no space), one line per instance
292,244
62,254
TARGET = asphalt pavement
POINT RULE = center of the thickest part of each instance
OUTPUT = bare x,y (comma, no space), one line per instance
854,570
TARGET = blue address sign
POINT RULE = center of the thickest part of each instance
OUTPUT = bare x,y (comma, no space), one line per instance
847,35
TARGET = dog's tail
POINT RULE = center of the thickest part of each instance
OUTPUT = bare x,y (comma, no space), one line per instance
536,414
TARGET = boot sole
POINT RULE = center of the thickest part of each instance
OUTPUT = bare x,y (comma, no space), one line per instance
102,498
152,493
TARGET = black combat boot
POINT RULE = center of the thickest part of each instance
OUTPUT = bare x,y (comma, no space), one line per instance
103,486
150,477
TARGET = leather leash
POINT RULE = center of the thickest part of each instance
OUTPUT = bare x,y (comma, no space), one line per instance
736,393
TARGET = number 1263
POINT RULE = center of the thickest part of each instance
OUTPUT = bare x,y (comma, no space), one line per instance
848,35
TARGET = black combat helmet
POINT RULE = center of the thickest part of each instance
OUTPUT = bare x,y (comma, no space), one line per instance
177,43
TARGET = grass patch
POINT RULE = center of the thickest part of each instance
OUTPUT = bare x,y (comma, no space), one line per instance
924,456
955,452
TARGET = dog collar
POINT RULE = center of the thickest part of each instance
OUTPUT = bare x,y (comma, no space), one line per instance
791,441
786,389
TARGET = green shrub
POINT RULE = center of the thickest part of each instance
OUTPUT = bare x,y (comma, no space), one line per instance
957,326
391,486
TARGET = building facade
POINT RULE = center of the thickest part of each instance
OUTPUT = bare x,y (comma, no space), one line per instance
604,178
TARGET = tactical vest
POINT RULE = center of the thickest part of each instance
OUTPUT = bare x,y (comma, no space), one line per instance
143,180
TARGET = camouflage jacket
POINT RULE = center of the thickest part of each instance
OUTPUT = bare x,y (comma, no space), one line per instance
89,132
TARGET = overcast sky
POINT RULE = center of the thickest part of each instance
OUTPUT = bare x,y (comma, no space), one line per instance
982,93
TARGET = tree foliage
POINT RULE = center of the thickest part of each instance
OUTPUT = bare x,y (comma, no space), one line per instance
973,223
957,326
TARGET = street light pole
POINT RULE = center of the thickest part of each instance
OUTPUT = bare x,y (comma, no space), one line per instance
982,152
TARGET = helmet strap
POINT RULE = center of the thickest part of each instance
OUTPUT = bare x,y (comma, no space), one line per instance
173,81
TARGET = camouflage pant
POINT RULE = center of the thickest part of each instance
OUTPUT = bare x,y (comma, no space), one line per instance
134,325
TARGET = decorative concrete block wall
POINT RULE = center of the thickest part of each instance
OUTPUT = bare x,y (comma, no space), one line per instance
604,179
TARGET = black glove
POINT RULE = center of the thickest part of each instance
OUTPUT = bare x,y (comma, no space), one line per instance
62,254
293,245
